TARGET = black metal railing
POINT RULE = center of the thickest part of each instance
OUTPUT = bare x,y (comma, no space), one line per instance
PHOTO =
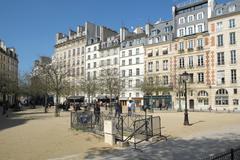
232,154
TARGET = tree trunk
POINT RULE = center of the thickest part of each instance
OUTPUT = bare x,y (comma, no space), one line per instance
56,106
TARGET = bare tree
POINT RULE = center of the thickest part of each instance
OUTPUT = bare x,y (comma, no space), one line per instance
89,86
57,82
110,82
149,87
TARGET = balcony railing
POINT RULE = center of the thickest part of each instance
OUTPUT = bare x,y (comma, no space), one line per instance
190,49
200,48
181,51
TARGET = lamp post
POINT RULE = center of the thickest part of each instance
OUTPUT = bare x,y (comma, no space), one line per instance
185,77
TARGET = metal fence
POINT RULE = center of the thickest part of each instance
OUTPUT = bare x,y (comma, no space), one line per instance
232,154
135,128
88,121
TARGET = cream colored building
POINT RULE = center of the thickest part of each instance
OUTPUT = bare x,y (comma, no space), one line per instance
224,30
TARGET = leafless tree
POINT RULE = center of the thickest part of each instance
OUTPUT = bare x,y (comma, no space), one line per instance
110,82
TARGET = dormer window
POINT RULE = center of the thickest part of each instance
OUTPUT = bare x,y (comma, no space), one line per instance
190,18
181,20
219,11
232,8
200,16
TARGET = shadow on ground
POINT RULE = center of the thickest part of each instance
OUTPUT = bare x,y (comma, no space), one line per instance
21,117
173,149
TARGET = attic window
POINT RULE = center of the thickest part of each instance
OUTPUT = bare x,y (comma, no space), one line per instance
219,11
232,8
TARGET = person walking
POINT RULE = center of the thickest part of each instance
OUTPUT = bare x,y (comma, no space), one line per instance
97,111
117,109
129,108
133,107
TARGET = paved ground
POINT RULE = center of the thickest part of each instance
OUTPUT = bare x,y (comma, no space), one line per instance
33,135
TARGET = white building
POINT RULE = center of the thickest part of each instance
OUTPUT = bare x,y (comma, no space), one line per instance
132,65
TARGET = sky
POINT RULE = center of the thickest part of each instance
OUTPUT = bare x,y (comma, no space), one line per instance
30,26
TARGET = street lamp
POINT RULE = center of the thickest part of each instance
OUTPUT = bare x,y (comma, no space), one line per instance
185,77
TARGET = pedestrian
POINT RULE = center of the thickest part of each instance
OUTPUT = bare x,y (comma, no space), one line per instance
117,109
133,107
129,108
97,111
5,108
20,105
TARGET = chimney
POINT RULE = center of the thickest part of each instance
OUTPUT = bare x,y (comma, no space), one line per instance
211,4
148,28
123,33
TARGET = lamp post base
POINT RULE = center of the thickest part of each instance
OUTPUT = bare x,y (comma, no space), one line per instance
186,121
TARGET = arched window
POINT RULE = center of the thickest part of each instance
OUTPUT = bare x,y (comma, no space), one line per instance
221,97
202,93
202,97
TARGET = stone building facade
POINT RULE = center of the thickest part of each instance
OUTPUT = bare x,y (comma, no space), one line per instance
8,72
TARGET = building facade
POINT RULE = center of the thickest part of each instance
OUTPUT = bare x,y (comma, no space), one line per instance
201,39
132,65
8,73
224,28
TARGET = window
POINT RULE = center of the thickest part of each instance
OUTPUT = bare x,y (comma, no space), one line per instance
88,75
221,97
165,80
219,26
181,46
95,64
115,60
137,71
102,63
130,85
95,48
181,20
219,11
165,65
69,53
181,32
89,57
157,52
190,30
235,102
123,83
137,82
200,77
200,60
73,52
130,61
130,53
231,8
221,77
137,94
108,61
220,40
78,51
137,60
200,27
89,49
235,90
123,54
200,44
190,61
233,75
123,73
200,16
88,65
150,65
190,18
137,50
232,38
190,44
165,51
95,56
157,65
123,62
130,72
231,23
220,58
181,62
94,74
233,57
